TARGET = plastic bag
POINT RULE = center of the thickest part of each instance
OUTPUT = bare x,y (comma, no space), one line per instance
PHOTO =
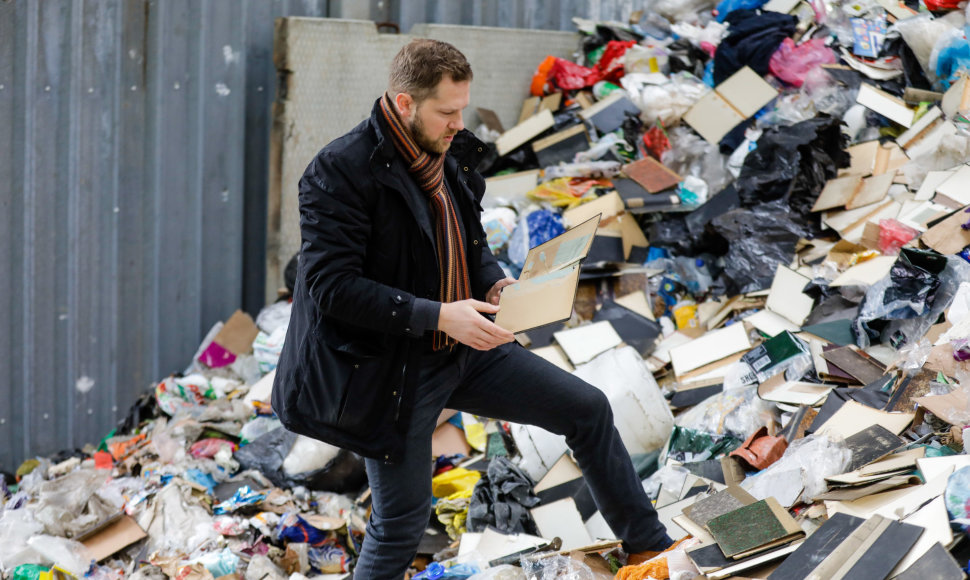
569,76
72,556
815,456
274,316
911,299
689,445
893,235
921,33
957,497
503,572
267,348
682,10
792,63
344,472
262,568
219,564
952,151
499,223
545,567
760,238
207,448
16,527
950,57
691,155
737,413
436,570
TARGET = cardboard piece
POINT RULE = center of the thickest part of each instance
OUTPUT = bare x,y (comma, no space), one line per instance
617,230
951,407
547,285
778,390
637,302
814,550
850,223
867,273
885,104
524,132
710,561
956,187
554,354
838,192
635,330
112,536
510,187
583,343
932,180
652,175
936,563
873,190
561,519
238,333
771,324
490,119
932,468
754,528
862,368
926,134
711,347
851,493
732,102
870,551
639,200
493,546
786,297
608,115
562,146
957,98
853,417
935,521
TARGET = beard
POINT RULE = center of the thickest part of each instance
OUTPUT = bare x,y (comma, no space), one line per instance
420,135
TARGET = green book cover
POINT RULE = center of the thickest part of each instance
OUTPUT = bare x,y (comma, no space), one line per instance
751,528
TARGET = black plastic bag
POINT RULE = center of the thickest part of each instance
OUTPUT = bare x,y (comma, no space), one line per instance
345,472
759,239
502,498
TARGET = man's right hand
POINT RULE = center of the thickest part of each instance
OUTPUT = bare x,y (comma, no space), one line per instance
461,320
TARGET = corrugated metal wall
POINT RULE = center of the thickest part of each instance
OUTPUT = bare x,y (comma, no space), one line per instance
133,173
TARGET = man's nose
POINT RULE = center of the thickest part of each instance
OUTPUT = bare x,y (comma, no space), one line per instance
458,124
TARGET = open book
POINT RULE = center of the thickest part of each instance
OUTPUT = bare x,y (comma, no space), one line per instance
546,288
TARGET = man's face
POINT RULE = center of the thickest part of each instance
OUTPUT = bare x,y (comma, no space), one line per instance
434,121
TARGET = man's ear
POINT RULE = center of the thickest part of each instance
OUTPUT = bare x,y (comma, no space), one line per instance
405,105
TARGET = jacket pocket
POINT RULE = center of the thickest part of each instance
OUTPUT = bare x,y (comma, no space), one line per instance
346,391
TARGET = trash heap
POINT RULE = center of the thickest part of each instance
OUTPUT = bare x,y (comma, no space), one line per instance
776,302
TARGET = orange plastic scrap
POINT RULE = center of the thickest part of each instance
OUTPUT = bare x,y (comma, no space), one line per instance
541,77
121,449
566,191
655,569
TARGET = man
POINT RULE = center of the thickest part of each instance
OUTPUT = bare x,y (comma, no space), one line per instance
388,329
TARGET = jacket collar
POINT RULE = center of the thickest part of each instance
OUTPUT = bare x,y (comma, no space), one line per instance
467,149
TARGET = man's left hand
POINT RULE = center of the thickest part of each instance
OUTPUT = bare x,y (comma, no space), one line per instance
496,290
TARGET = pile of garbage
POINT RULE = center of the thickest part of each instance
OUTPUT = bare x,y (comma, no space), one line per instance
776,302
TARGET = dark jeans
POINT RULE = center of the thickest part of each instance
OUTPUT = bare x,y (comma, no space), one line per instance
511,384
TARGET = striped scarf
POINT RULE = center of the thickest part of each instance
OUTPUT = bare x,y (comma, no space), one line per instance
428,171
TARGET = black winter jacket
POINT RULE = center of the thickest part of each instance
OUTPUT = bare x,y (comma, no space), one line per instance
366,288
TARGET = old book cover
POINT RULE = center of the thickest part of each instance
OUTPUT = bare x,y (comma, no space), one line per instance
653,175
817,547
718,504
753,528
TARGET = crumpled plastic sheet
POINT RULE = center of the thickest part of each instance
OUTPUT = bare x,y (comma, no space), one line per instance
667,102
816,456
692,155
67,554
911,299
270,453
952,151
793,163
177,524
950,57
555,568
503,572
738,413
71,504
502,499
16,527
793,63
921,32
957,497
759,239
669,476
